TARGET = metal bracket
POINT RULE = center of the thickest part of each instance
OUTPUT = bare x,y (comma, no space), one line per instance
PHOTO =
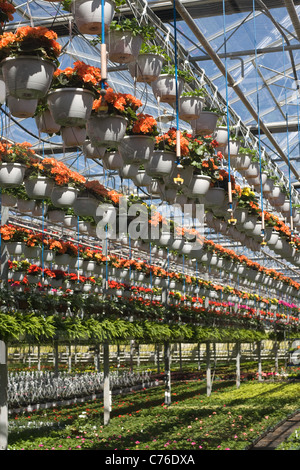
242,70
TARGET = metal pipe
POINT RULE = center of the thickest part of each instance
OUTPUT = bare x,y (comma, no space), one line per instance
231,81
290,6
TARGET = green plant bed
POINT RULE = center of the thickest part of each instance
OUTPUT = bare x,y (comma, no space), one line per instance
230,418
292,443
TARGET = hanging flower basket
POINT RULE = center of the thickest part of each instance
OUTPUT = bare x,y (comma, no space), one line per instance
70,106
190,107
21,108
142,179
88,15
123,46
157,188
85,206
56,216
8,200
136,148
234,147
214,197
93,151
221,136
15,248
32,252
161,163
205,123
11,174
199,186
276,197
106,130
252,171
147,67
48,256
63,196
73,136
129,171
241,162
70,221
27,77
164,88
112,161
45,123
89,265
39,187
25,206
84,226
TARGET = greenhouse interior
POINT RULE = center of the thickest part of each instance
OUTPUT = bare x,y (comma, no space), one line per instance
150,227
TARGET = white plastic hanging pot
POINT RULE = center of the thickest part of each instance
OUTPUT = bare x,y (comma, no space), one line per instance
258,180
190,107
39,187
11,174
8,200
56,216
85,206
45,123
268,186
234,147
73,136
88,15
25,206
142,179
63,196
214,197
21,108
27,77
129,171
221,136
161,163
186,174
156,188
112,161
205,123
93,151
70,106
136,148
241,162
147,67
199,186
15,248
170,195
106,130
272,238
252,171
123,47
164,88
70,221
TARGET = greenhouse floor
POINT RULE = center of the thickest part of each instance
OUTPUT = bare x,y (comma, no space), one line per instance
275,437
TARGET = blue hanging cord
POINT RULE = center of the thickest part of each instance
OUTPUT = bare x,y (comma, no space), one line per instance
227,95
176,71
258,119
287,139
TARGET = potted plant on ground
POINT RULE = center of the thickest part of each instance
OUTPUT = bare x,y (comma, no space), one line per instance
29,58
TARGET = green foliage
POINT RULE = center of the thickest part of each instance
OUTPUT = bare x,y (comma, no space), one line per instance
131,24
201,92
154,49
184,74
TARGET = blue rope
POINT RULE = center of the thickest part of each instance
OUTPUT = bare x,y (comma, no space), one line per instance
176,68
227,95
287,135
258,115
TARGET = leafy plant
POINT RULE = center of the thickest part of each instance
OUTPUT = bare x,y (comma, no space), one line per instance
132,25
154,49
184,74
201,92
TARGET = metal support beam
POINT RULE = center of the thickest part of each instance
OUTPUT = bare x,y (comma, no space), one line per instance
231,81
290,6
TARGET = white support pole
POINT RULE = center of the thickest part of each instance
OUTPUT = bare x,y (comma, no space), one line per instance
167,373
3,349
3,396
208,370
106,385
238,364
259,361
